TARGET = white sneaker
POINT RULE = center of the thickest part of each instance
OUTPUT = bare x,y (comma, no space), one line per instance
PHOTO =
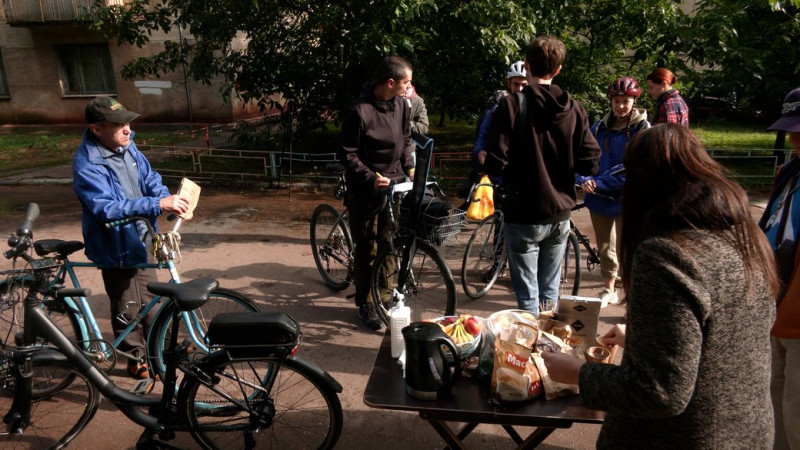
607,296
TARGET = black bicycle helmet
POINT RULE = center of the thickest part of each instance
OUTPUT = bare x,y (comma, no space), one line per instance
624,86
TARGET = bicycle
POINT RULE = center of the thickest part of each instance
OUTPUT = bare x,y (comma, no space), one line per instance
332,248
407,265
485,256
332,243
250,390
75,315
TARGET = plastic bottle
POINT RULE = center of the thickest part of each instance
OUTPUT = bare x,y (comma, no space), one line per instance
401,317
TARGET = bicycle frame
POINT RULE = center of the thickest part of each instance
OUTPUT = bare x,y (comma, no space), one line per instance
89,329
38,324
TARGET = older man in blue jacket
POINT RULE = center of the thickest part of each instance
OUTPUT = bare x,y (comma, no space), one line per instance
113,180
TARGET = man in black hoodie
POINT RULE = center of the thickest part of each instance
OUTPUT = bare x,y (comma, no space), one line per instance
376,149
537,141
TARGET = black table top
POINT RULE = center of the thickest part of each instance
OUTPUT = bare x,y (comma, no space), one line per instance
470,400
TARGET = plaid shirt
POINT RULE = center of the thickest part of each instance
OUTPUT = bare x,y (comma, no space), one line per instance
671,108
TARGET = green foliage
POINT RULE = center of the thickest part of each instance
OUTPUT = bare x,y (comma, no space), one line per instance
748,52
320,53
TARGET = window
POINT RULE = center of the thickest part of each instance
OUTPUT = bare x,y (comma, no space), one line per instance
86,69
3,81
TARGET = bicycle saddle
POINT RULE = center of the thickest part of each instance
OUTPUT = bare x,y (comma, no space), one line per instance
45,247
187,296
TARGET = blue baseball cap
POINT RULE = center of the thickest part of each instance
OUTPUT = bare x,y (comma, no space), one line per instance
790,114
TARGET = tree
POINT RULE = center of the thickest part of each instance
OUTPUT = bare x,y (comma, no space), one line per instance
745,53
320,53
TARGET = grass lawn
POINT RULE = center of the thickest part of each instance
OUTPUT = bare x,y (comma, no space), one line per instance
29,147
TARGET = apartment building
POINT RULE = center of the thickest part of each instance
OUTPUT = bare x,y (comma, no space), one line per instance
51,64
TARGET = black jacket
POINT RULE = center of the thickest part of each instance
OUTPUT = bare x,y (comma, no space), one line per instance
376,137
538,159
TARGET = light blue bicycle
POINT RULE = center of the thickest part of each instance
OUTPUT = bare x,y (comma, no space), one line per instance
75,317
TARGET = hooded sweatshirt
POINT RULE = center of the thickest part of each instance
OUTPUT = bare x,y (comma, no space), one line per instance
538,159
376,137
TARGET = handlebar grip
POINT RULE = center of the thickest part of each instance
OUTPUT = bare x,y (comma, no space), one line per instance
30,216
73,292
118,222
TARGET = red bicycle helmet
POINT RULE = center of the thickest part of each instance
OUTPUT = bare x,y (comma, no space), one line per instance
624,86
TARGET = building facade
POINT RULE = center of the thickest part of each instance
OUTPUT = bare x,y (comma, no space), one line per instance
51,64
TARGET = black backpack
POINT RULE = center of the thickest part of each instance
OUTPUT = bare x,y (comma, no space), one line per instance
493,100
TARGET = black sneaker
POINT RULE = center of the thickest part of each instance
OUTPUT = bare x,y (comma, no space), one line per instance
367,313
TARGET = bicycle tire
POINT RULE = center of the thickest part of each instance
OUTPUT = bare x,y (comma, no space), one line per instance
332,247
430,290
12,311
484,257
63,403
571,266
220,300
297,408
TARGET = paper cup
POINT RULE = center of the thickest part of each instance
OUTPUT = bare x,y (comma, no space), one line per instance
611,348
598,354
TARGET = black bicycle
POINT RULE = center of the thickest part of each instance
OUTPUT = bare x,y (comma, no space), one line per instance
485,258
249,390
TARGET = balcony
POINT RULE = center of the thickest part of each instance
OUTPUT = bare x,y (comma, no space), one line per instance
32,12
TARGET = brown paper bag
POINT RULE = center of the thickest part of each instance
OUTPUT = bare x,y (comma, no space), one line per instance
191,191
514,376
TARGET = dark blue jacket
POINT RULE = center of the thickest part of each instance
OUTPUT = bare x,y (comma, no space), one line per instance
102,200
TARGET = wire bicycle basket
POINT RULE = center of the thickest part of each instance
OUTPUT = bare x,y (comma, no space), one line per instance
435,228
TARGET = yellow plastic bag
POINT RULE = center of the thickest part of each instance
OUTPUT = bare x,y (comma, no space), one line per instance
482,203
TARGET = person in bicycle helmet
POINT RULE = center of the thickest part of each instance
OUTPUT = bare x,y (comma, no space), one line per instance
603,191
516,80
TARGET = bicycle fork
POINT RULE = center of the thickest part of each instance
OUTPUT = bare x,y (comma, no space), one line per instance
19,416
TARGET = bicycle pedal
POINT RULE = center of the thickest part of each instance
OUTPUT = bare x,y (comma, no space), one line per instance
143,387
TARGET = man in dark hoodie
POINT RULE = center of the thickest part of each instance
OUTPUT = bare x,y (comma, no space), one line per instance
537,141
376,149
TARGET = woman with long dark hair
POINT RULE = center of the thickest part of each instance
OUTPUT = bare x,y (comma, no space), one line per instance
701,284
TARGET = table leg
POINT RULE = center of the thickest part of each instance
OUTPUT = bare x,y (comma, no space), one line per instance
452,440
537,437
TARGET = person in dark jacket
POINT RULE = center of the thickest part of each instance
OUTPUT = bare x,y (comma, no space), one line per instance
537,147
781,224
701,285
376,150
113,181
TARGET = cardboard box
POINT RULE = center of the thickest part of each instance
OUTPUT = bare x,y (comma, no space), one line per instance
581,313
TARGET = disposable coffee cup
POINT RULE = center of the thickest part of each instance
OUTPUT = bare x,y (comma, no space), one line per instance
611,348
598,354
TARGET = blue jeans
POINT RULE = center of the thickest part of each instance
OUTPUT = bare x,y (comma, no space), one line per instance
534,257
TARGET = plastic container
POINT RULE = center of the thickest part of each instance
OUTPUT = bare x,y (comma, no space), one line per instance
400,318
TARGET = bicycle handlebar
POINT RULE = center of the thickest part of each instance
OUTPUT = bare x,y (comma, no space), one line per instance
72,292
24,237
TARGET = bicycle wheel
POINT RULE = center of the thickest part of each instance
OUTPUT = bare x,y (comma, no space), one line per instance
220,301
332,247
63,402
263,404
571,267
484,257
12,295
429,289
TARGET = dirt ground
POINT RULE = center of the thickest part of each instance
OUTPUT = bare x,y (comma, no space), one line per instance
256,241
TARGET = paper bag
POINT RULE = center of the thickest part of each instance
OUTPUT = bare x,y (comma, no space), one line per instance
514,376
191,192
482,203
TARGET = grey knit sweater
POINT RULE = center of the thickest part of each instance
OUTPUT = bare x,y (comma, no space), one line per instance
696,367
